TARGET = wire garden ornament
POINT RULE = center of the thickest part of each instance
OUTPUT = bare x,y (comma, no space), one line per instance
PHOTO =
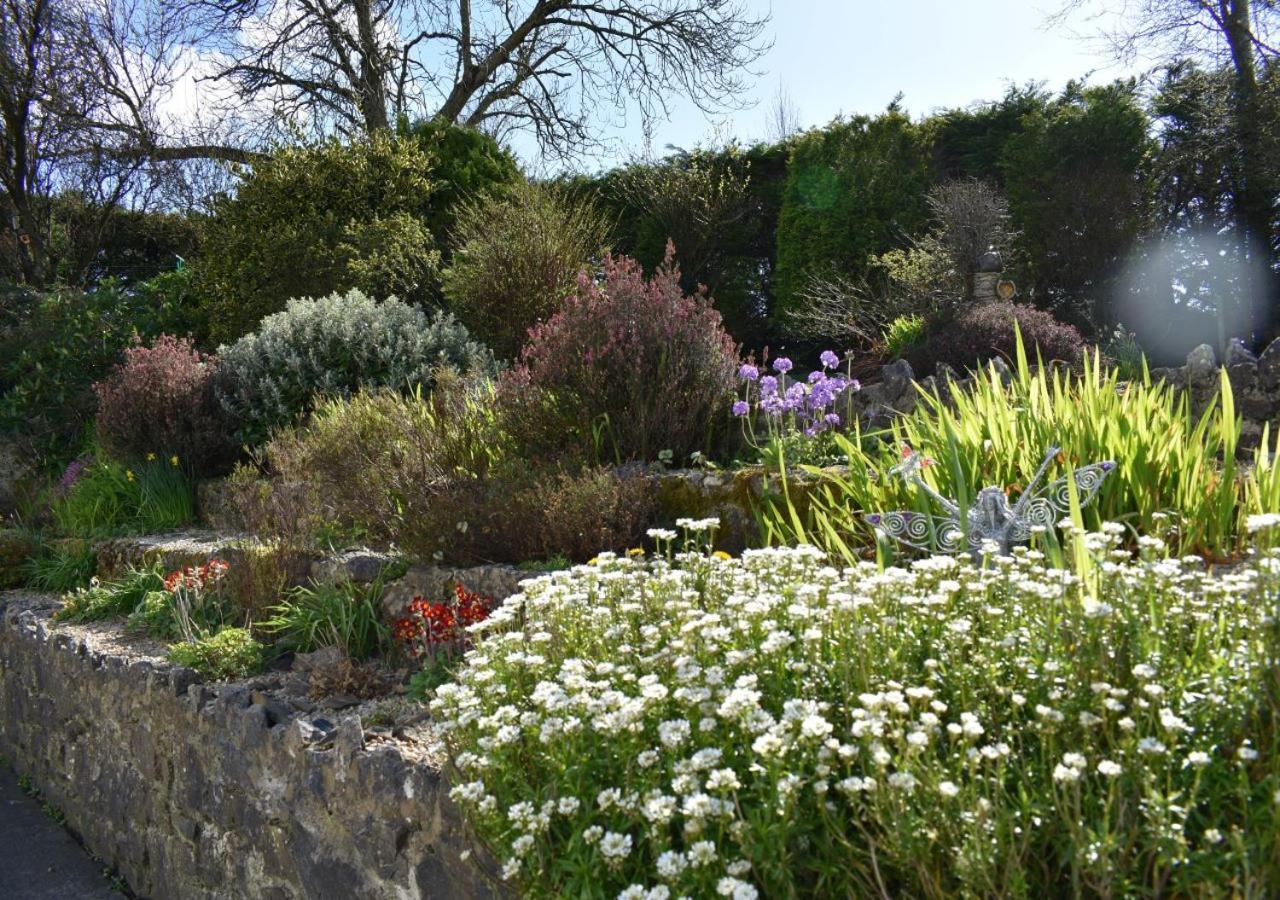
991,517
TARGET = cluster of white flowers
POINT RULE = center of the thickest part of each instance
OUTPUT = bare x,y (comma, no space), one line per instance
694,726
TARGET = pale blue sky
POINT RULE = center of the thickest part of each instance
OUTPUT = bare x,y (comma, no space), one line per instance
854,56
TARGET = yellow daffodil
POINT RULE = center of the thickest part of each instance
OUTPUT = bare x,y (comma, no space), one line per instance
173,460
129,474
151,457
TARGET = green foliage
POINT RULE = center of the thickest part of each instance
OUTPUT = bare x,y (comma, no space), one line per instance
55,346
904,333
311,221
333,346
17,548
973,335
110,498
62,565
854,189
1170,464
229,654
466,164
1076,176
111,599
344,615
518,253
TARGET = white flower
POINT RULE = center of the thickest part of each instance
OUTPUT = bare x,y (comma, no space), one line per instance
670,864
1212,836
1110,769
673,732
948,789
614,846
1197,758
735,889
1151,747
1063,773
903,781
702,853
1261,521
592,833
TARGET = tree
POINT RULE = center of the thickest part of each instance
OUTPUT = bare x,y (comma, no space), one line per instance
1239,35
542,66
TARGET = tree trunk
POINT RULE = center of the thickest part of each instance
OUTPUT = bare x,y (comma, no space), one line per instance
1253,205
371,87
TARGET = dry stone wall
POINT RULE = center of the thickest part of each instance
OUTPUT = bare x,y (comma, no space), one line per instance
198,791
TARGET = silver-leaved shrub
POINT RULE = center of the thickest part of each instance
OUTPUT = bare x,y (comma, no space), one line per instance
332,347
772,726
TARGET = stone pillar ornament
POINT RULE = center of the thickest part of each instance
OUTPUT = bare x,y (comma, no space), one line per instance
986,276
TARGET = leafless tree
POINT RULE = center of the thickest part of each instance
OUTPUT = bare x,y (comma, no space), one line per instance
970,217
542,66
784,115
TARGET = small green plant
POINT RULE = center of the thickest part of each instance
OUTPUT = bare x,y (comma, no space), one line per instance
344,615
108,498
1125,353
109,599
61,566
231,653
552,564
904,333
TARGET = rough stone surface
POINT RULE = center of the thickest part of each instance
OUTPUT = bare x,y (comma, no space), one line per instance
193,790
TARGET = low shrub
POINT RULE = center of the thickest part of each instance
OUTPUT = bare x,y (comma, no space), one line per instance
983,332
772,726
443,479
345,615
231,653
634,366
518,253
334,346
158,402
190,602
102,497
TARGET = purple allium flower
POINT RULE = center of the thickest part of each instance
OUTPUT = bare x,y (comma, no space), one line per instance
832,419
816,375
782,365
854,385
748,372
72,474
829,359
768,386
741,408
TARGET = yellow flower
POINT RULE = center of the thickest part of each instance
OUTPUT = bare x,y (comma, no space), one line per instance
635,551
129,474
593,560
151,457
173,460
720,554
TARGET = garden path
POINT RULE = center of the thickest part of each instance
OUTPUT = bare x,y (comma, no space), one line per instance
39,860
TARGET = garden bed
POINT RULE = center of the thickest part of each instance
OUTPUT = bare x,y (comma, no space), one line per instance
199,790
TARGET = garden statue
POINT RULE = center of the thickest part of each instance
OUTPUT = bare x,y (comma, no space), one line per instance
991,517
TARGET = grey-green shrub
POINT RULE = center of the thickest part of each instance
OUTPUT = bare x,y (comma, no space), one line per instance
333,346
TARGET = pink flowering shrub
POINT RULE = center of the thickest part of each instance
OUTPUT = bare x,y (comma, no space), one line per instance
632,363
158,402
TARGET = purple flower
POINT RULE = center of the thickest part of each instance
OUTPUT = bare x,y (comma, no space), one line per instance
741,408
816,375
748,372
768,386
832,419
829,359
782,365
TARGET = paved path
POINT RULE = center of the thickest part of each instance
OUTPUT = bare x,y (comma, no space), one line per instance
39,860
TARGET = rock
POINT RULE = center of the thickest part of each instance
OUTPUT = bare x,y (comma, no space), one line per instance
1243,377
1174,376
897,379
1002,369
324,658
361,566
1269,366
1238,354
1201,364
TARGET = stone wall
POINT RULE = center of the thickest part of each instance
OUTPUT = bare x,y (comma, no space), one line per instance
241,790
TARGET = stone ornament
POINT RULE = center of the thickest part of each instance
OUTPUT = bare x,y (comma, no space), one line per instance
991,517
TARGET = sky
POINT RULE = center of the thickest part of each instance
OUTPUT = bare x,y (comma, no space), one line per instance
854,56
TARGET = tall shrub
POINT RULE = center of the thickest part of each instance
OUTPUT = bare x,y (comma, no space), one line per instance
517,254
313,220
333,346
634,362
158,402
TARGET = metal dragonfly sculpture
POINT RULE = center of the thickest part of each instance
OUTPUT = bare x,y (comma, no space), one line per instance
991,517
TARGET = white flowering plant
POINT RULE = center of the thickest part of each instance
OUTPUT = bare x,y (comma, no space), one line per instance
686,725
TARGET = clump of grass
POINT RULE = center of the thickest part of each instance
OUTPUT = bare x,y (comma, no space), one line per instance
344,615
62,565
111,599
108,498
